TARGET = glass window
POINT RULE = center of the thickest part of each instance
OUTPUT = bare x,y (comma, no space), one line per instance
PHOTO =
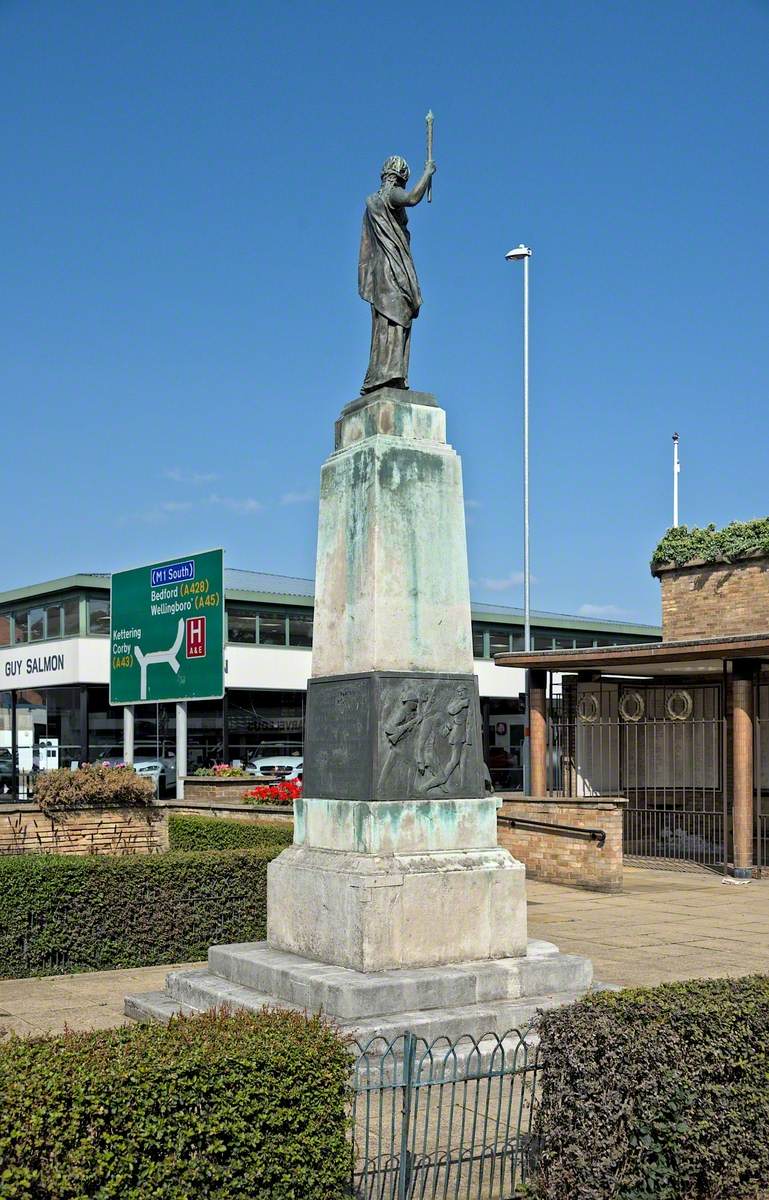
98,615
499,641
36,624
543,642
564,642
71,616
241,625
53,620
583,639
300,629
479,642
5,630
21,626
272,629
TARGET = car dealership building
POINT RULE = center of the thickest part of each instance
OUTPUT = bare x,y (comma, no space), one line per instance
55,660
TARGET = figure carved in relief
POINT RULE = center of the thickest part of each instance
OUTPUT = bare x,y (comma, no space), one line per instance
426,735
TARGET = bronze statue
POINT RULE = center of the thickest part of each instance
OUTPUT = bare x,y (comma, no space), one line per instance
386,275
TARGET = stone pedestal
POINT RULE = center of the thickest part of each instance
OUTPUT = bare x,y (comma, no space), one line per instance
369,885
391,584
395,908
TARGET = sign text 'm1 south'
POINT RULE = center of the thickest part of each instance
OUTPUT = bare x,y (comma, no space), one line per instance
176,572
167,631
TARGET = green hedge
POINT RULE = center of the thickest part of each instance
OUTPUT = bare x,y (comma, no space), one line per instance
657,1092
242,1107
682,545
218,833
62,913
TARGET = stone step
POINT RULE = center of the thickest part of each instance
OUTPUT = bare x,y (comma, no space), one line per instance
349,995
152,1006
472,1021
198,990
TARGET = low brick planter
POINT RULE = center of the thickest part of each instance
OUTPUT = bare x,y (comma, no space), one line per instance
563,858
714,599
231,809
24,829
211,787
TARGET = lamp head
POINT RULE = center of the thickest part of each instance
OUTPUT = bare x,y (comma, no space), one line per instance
519,252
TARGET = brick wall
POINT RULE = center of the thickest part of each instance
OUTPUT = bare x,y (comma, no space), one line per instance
25,830
713,599
557,858
206,788
229,810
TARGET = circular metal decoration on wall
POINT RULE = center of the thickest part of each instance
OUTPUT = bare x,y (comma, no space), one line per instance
632,706
587,707
679,705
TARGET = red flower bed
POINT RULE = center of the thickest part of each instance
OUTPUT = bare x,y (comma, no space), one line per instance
285,792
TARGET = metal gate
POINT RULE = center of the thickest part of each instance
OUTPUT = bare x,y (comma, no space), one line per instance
663,749
761,776
444,1119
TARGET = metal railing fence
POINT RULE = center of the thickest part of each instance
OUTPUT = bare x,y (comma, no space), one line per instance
444,1119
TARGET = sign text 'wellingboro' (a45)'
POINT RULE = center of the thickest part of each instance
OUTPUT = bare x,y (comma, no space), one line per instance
167,631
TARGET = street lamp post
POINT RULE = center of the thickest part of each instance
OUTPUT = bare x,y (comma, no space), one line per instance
524,252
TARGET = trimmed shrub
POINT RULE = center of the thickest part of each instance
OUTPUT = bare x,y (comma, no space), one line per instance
657,1092
92,786
216,833
62,913
241,1107
738,540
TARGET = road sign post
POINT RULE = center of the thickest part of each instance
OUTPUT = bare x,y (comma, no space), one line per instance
167,631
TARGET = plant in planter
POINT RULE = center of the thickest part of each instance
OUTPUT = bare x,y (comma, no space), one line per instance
740,539
92,786
222,771
274,793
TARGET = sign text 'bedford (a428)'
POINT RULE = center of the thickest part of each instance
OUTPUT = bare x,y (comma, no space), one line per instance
167,631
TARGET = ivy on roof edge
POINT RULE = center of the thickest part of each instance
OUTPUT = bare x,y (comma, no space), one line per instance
738,540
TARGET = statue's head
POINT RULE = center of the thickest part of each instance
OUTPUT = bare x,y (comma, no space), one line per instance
396,167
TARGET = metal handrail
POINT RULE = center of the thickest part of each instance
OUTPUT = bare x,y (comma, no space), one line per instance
590,835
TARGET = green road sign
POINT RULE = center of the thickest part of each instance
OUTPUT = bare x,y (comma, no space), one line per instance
167,631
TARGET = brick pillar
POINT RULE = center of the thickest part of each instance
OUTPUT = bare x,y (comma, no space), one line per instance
742,768
538,732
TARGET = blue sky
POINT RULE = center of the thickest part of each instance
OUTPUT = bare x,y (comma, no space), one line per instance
182,187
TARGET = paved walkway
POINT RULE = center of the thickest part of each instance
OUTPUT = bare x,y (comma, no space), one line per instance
665,925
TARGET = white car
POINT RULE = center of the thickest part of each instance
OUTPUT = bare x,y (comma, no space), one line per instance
162,771
277,769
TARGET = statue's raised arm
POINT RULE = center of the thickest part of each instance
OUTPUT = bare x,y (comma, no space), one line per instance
387,279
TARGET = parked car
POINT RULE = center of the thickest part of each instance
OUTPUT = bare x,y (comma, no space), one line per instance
276,769
6,768
161,770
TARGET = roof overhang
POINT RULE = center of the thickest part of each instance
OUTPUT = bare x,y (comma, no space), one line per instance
691,657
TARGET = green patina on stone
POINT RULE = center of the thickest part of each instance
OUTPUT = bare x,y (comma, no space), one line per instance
300,824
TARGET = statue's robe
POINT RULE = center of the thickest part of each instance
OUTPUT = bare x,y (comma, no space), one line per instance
388,281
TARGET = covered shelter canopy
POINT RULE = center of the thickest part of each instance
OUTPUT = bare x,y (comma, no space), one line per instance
686,657
673,727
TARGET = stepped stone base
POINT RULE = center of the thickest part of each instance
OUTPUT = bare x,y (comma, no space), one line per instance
473,998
